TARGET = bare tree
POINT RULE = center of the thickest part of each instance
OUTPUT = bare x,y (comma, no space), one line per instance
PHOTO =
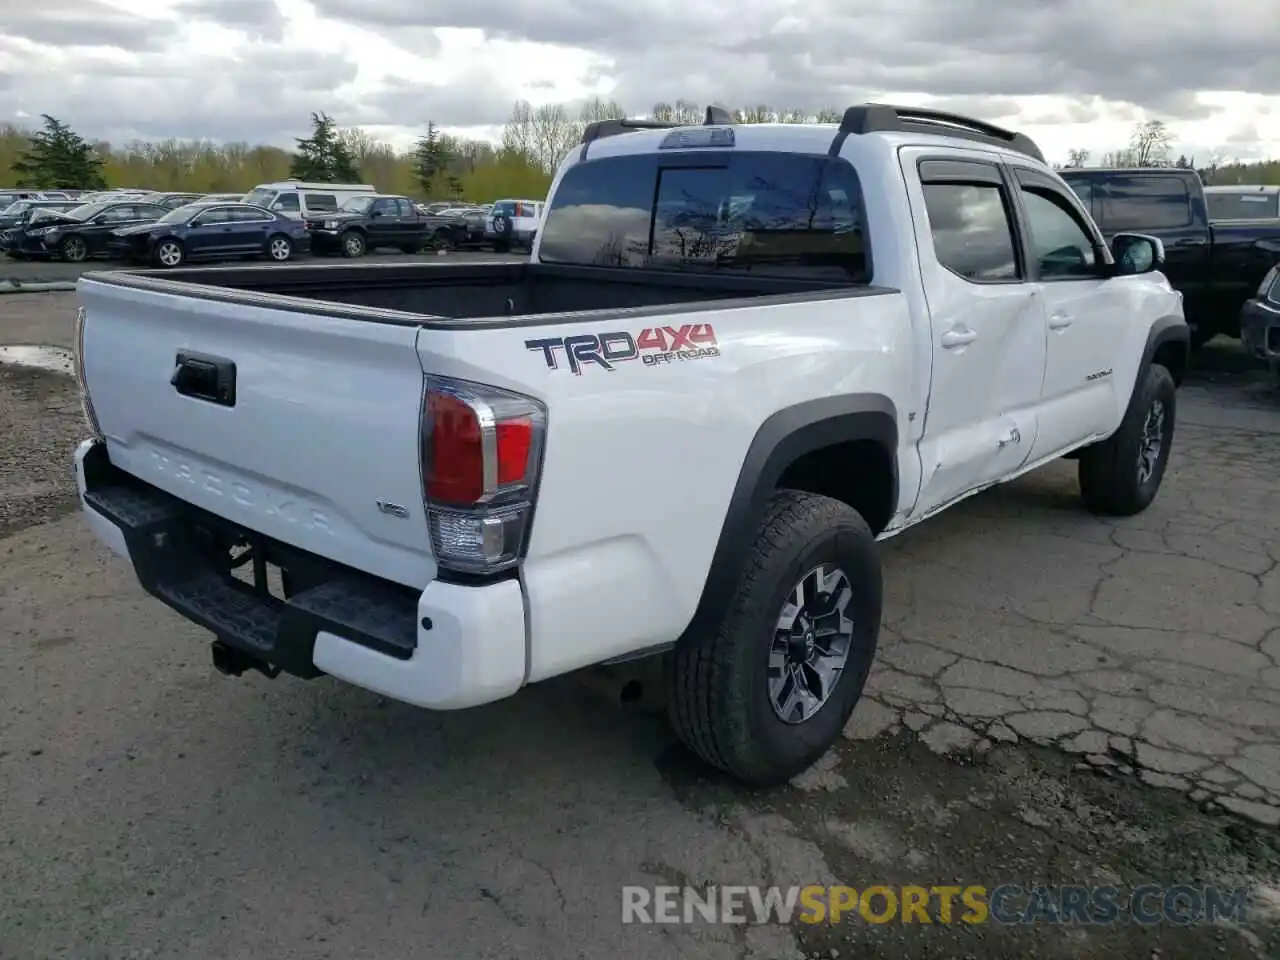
1150,143
686,111
554,134
794,116
1077,158
830,115
518,136
597,108
760,113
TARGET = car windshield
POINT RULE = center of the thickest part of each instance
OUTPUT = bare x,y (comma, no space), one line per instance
357,205
13,209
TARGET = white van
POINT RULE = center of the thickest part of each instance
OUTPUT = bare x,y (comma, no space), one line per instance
298,199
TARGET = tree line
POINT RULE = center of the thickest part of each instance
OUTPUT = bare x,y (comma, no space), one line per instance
439,166
1151,145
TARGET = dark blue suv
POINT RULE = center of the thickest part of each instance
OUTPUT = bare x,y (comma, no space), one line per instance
211,231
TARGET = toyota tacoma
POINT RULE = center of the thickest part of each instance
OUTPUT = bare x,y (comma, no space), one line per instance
736,358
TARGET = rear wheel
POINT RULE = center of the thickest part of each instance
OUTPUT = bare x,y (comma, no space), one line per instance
73,249
1120,476
169,253
767,692
280,248
353,244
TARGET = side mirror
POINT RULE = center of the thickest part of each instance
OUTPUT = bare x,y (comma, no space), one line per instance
1136,253
100,218
375,213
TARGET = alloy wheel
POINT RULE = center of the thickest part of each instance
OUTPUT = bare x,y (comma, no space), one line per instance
811,644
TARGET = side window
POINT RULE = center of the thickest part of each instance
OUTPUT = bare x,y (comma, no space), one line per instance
972,233
322,202
1061,245
287,203
384,208
211,217
1145,203
120,214
404,208
245,215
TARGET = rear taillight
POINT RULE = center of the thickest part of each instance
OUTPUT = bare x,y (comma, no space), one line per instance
86,404
481,456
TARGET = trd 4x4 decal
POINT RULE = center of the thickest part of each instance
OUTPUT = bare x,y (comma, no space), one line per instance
653,346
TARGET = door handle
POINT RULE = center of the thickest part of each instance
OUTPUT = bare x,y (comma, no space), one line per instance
961,337
1060,321
1013,436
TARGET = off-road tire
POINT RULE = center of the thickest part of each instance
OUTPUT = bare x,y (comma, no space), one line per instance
717,690
1109,477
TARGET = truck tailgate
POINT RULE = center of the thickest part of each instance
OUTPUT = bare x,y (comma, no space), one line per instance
317,445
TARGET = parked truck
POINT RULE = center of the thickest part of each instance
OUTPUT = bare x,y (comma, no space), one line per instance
1216,266
737,357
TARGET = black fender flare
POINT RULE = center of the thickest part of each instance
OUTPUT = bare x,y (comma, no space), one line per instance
1169,329
782,439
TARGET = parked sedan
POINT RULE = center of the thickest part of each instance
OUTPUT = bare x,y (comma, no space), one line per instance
77,234
16,214
211,231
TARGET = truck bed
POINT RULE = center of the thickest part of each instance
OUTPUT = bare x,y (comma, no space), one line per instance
449,294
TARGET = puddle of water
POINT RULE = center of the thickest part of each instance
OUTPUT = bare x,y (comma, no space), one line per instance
53,359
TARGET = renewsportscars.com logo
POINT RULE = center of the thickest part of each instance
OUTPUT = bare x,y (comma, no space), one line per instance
652,346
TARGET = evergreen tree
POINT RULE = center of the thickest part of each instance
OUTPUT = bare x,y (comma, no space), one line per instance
431,158
323,157
59,158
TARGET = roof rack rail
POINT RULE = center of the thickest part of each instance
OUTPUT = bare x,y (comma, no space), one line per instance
886,118
597,130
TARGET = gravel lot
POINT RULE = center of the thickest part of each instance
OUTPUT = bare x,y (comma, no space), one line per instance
1037,666
38,271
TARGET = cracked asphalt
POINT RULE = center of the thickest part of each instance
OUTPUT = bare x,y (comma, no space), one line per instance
1057,699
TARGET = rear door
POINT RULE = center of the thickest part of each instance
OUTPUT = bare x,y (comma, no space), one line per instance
986,323
320,428
249,228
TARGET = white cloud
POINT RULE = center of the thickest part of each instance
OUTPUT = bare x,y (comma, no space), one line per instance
1074,74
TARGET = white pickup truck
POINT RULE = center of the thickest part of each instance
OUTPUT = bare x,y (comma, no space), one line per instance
737,357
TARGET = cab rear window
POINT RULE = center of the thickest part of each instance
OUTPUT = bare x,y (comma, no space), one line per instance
772,213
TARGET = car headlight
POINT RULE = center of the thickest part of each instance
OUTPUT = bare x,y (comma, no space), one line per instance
42,232
331,224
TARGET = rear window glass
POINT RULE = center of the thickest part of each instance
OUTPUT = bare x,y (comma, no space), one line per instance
771,213
1242,206
1145,203
507,207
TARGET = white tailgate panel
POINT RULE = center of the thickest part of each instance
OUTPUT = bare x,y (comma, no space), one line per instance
325,422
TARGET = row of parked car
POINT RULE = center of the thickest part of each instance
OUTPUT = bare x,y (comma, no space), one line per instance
276,221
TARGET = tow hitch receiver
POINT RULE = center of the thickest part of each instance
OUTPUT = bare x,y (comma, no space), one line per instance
233,663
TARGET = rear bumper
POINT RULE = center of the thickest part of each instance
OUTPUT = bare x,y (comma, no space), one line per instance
447,647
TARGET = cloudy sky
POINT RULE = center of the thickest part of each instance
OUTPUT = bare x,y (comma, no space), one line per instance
1073,73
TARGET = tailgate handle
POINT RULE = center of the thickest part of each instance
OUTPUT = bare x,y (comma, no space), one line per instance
202,377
